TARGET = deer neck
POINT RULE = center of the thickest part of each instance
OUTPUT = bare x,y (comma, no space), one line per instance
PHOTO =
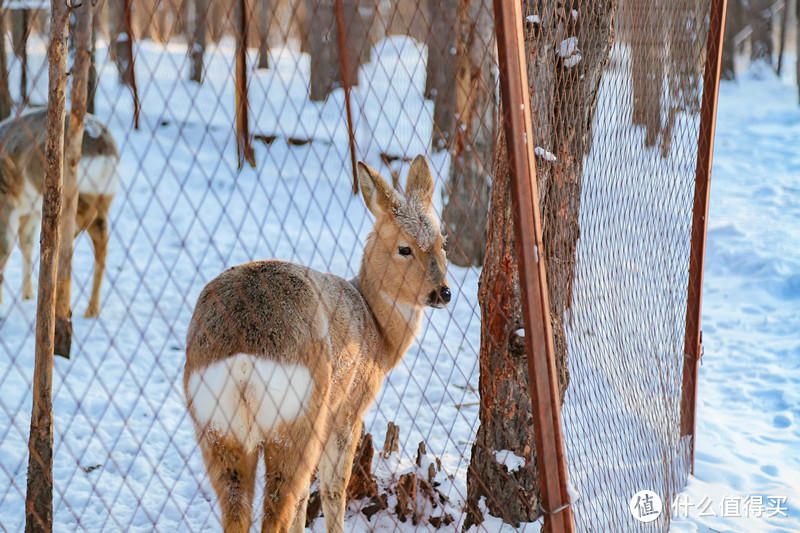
399,322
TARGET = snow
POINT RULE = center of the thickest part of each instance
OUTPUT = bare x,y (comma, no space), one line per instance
125,452
545,154
509,459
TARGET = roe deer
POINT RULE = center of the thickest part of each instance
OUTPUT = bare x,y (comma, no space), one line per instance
22,171
283,360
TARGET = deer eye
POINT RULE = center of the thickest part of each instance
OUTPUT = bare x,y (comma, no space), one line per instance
404,251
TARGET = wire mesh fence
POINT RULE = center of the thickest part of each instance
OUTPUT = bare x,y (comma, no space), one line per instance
197,188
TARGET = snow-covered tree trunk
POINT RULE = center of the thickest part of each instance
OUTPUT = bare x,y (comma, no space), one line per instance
467,193
568,47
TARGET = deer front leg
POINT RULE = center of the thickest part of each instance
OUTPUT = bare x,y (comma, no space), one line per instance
334,474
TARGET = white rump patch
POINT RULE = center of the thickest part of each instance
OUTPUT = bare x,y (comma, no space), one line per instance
98,175
247,396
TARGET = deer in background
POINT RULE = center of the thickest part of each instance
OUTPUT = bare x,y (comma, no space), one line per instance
22,169
282,361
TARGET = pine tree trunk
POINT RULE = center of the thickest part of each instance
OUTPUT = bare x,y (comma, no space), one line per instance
82,15
197,48
563,102
467,195
441,68
120,51
264,17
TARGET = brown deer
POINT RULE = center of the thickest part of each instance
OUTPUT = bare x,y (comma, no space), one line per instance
22,170
283,361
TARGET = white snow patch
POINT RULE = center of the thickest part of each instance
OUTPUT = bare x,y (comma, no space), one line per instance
248,396
509,459
533,19
568,47
520,332
546,154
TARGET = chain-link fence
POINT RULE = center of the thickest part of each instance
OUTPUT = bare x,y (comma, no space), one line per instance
243,153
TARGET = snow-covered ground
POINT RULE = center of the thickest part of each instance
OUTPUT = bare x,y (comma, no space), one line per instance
125,455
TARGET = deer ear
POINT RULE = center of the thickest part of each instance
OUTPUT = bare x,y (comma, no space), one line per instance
420,182
378,195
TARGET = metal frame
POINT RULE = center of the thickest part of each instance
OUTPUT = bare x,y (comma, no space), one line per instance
533,280
693,349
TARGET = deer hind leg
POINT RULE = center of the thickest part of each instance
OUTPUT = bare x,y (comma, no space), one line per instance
28,227
98,232
8,227
290,465
232,470
335,466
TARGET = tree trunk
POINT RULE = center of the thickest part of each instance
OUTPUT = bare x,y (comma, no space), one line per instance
782,37
197,47
797,48
647,48
264,17
467,195
563,100
92,82
326,69
761,39
6,103
733,24
39,495
244,147
20,31
82,35
441,68
119,39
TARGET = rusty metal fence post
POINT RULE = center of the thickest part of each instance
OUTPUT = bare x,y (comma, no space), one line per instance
535,303
39,496
705,149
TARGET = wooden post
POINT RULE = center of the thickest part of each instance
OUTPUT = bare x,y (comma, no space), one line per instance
532,274
39,497
705,148
72,156
129,75
244,148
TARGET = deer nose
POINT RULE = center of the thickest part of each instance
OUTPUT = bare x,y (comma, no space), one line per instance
444,294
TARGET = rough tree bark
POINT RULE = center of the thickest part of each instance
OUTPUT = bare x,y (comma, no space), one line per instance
441,68
20,31
39,496
197,39
326,71
647,49
760,18
244,147
467,194
6,103
82,35
565,77
264,17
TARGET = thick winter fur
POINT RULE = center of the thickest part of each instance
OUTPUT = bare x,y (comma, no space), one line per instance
282,361
22,171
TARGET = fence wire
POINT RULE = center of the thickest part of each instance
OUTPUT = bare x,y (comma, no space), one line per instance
615,92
